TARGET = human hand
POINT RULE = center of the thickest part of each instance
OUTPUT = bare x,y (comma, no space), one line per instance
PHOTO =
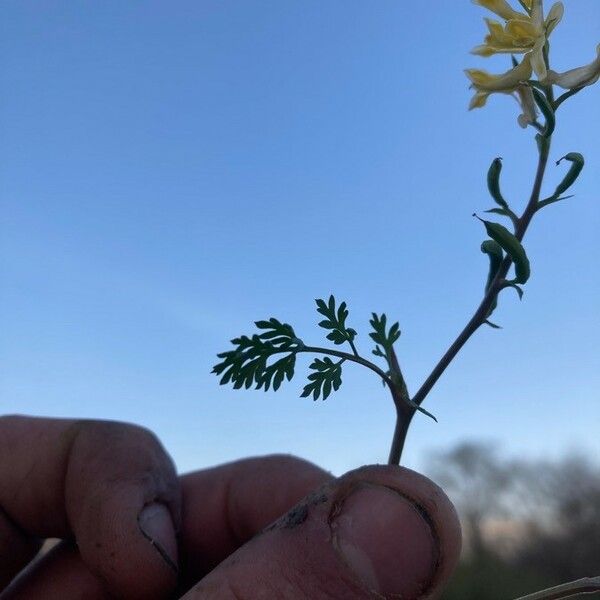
378,532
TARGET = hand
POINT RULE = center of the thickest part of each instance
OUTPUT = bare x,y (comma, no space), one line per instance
377,532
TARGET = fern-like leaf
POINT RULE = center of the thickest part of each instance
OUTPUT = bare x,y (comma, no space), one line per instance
248,363
335,320
383,338
326,376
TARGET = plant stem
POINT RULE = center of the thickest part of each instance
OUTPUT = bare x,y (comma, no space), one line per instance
587,585
351,357
565,96
476,320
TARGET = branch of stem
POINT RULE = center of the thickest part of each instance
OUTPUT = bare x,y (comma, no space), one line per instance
476,320
351,357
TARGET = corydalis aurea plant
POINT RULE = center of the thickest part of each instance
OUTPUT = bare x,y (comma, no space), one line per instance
267,358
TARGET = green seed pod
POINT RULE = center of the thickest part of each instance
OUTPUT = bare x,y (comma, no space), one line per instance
577,162
493,182
511,245
547,111
496,256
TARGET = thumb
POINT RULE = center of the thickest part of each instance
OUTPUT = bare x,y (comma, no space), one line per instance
377,532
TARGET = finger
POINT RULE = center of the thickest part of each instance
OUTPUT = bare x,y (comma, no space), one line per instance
57,575
227,505
378,532
110,486
223,507
16,549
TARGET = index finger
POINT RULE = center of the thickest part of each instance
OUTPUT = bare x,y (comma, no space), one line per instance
110,486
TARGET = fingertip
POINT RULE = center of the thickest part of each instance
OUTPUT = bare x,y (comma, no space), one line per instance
156,525
396,507
377,532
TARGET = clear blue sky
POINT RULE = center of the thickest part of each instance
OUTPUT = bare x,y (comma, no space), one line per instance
172,171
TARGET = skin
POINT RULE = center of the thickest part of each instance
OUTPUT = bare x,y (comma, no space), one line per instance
270,527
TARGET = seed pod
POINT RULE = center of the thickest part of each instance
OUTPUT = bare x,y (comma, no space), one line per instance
577,162
496,255
493,182
511,245
547,111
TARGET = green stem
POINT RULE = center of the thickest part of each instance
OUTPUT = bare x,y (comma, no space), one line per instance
404,417
565,96
351,357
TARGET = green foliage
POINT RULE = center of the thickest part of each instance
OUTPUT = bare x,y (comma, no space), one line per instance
382,338
326,375
505,212
515,287
552,200
252,361
247,363
335,320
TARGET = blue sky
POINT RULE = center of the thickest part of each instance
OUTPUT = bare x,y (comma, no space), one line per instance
173,171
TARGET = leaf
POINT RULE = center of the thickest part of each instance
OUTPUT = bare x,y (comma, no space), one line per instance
505,212
419,408
335,319
326,376
516,287
248,363
380,335
552,200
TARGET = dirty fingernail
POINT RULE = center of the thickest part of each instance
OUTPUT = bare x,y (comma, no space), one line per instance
157,527
387,541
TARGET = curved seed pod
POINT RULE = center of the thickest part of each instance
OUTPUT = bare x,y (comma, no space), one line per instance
496,256
547,111
493,182
511,245
577,162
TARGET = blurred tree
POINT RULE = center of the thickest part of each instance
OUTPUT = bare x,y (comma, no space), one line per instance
567,544
551,510
476,480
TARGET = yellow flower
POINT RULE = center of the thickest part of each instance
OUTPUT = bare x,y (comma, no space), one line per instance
501,7
579,77
485,83
512,82
521,33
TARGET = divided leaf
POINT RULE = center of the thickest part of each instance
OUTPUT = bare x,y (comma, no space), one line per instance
247,364
381,336
335,320
326,376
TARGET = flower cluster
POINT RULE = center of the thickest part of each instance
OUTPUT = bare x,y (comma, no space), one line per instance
524,32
